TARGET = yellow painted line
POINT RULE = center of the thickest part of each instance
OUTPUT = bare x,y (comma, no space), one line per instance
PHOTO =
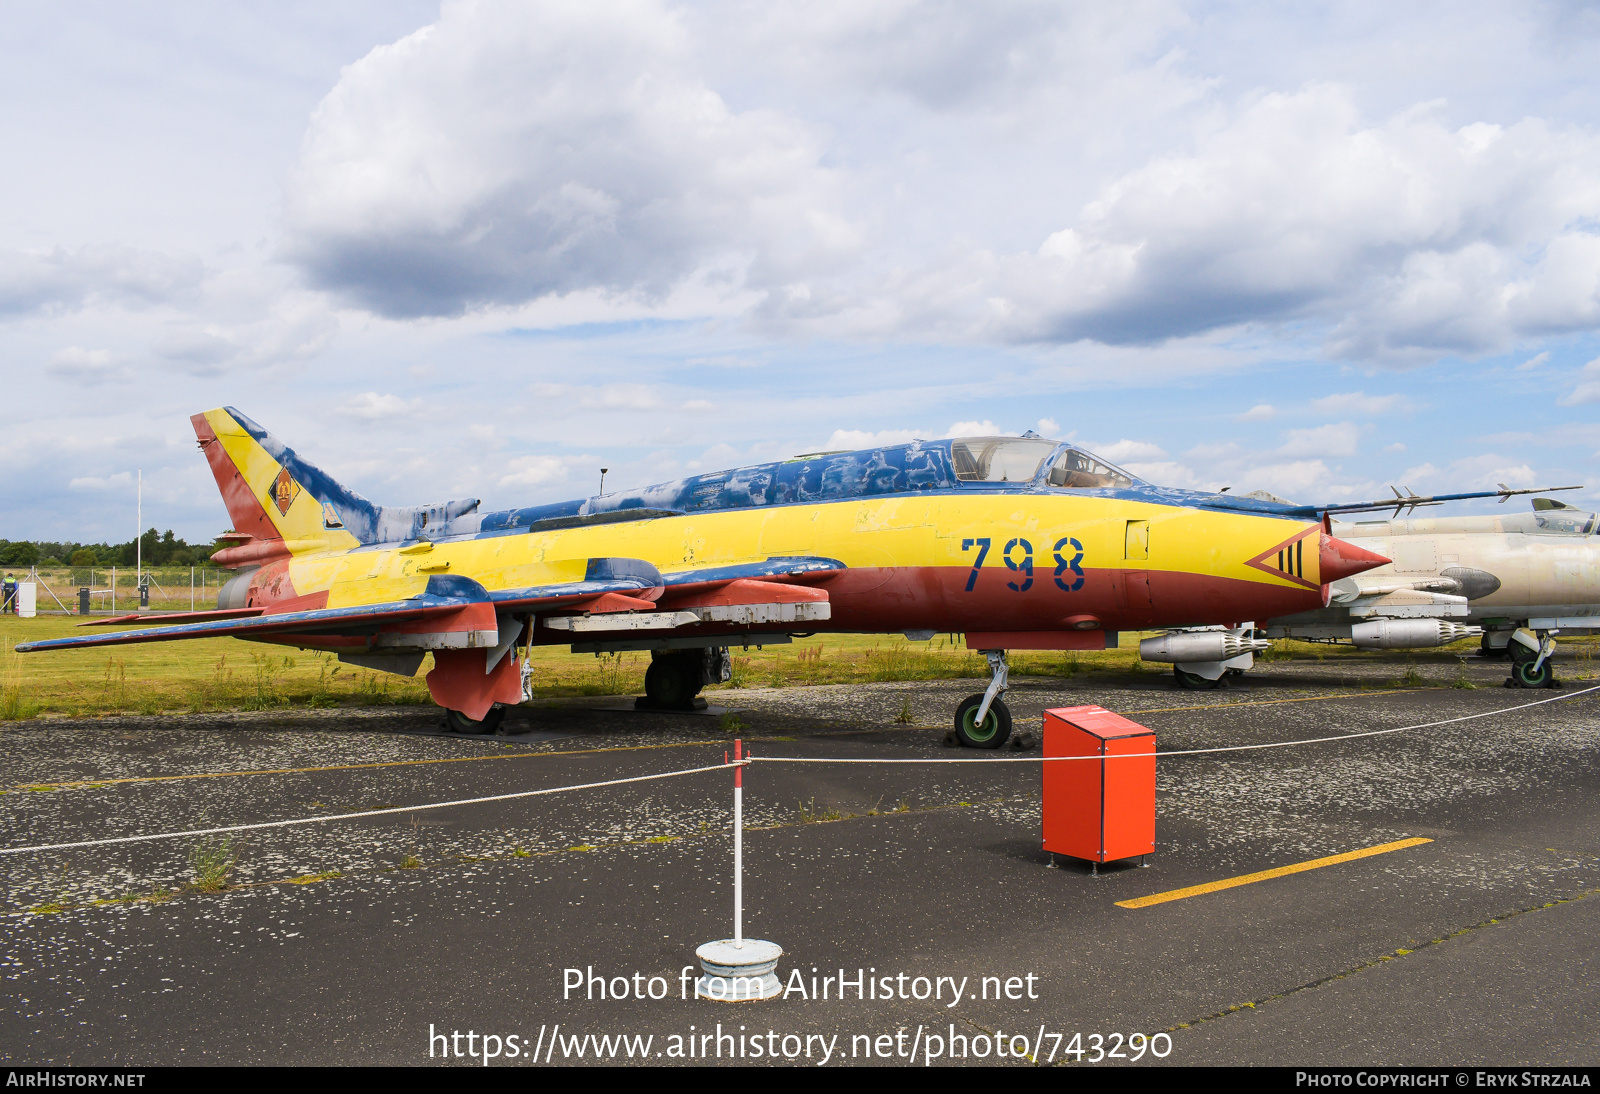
1266,875
355,767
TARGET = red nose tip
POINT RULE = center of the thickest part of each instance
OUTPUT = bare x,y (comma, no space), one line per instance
1343,559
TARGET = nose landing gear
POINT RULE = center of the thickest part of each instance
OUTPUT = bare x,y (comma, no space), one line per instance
1531,664
984,721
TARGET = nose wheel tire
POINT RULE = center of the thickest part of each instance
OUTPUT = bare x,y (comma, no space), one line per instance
992,732
460,723
1524,675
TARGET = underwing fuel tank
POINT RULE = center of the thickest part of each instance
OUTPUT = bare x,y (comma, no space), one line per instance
1183,648
1407,634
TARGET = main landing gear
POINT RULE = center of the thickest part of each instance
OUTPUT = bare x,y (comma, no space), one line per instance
675,677
1531,665
983,721
459,722
489,723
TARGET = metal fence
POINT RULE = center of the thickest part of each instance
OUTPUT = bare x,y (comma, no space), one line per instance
115,589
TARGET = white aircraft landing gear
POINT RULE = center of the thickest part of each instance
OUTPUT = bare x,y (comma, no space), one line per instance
1531,664
983,721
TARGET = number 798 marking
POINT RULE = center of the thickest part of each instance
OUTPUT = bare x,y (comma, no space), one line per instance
983,553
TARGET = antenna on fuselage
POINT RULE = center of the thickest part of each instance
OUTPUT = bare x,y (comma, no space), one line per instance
603,471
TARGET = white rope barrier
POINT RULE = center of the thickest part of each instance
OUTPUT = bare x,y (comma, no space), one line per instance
770,759
1174,752
355,816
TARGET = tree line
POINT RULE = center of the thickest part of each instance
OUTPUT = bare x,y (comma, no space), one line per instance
159,549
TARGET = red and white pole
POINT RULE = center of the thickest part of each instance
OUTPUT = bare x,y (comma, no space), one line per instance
738,969
738,845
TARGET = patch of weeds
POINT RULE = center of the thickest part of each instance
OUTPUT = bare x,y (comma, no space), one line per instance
1461,680
411,862
1072,667
148,706
875,811
661,839
731,724
582,847
265,696
905,717
610,673
115,685
740,676
518,852
312,879
808,813
1411,677
212,862
14,706
902,806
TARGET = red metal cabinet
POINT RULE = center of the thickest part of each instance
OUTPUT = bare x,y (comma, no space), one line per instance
1099,809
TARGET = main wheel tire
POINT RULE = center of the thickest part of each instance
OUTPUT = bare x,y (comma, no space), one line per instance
1493,653
460,723
1526,676
1192,681
670,682
993,732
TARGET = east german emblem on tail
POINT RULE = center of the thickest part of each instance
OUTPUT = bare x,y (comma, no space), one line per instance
284,491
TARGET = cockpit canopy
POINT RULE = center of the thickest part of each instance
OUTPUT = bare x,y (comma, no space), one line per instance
1018,459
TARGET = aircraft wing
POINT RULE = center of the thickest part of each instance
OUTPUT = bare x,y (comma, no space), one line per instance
445,595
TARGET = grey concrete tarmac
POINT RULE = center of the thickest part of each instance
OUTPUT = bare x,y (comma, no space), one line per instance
347,942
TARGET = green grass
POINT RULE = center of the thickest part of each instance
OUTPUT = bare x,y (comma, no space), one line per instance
227,674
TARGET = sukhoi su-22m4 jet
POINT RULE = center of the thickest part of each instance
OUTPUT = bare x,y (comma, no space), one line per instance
1017,542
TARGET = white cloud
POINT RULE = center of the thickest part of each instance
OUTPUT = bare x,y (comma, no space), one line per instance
1049,427
1335,439
372,406
123,480
1295,480
1165,473
61,279
88,366
1488,470
1588,387
1395,447
1359,402
1124,451
511,151
1535,361
985,428
536,471
846,440
1261,412
1408,237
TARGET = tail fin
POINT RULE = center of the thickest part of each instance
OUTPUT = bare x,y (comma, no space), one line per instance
273,494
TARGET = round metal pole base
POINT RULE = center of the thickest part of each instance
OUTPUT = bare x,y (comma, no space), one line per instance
739,974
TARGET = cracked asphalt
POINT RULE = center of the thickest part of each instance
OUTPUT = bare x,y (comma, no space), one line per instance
346,941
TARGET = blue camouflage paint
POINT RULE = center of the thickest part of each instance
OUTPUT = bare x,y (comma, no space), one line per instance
917,467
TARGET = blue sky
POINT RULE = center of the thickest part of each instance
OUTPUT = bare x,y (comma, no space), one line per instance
484,249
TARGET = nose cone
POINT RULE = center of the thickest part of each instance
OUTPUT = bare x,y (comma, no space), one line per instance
1343,559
